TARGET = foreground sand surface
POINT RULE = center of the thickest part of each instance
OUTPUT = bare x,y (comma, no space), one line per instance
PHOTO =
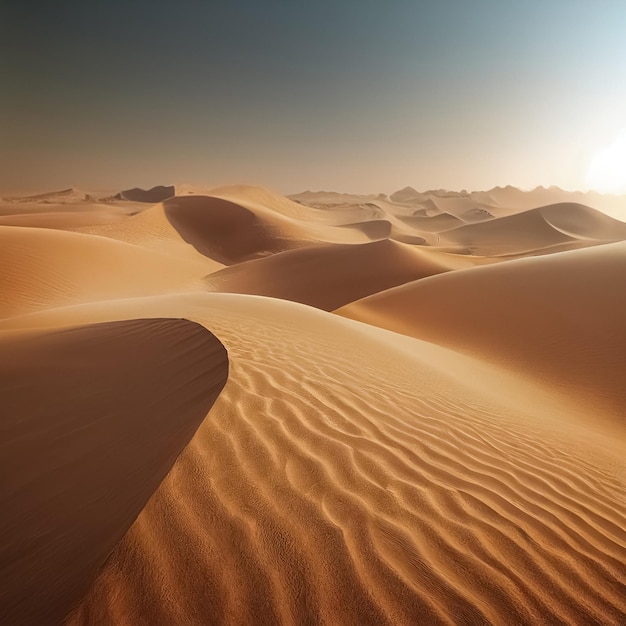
95,417
194,437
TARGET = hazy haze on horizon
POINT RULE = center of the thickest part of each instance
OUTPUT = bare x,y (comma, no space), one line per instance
354,96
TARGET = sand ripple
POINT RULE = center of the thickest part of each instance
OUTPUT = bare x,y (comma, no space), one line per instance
348,488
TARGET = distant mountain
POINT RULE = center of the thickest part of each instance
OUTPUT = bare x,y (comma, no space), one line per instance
406,195
156,194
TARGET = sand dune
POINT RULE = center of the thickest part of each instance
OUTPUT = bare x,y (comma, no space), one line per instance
374,230
43,268
502,201
376,479
478,214
67,196
433,223
470,471
229,232
328,277
95,418
151,229
264,201
61,220
537,229
457,206
556,318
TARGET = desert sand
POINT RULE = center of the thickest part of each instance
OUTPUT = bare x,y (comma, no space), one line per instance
232,407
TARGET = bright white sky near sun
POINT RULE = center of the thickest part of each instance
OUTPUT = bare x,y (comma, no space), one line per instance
357,96
607,168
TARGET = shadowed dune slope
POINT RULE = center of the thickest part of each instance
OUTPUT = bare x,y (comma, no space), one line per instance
374,230
348,475
93,419
43,268
328,277
231,233
538,229
151,229
560,318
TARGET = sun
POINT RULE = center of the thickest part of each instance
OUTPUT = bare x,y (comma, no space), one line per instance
607,169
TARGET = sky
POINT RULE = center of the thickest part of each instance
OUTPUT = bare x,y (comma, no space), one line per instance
359,96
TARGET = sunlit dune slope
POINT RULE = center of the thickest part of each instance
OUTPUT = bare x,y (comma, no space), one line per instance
558,318
328,277
538,229
92,420
349,475
457,206
260,199
151,229
435,223
71,195
62,220
43,268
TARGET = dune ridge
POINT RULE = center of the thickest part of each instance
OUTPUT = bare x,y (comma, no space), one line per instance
229,232
63,220
557,318
76,464
328,277
537,229
48,267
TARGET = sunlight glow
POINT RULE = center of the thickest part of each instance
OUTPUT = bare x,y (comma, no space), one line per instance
607,169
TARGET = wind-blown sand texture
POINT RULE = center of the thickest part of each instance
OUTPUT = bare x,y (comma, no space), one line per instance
453,454
93,419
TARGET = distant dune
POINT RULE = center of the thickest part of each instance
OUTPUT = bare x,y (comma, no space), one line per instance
328,277
229,232
432,223
45,268
69,195
557,318
62,220
193,436
538,229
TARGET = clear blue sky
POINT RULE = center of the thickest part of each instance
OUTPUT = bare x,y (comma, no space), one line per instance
353,95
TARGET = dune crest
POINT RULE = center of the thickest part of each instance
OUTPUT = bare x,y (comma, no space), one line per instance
557,318
538,229
95,418
46,267
229,232
328,277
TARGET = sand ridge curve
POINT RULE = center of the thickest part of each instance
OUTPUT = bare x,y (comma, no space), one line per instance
93,419
377,479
